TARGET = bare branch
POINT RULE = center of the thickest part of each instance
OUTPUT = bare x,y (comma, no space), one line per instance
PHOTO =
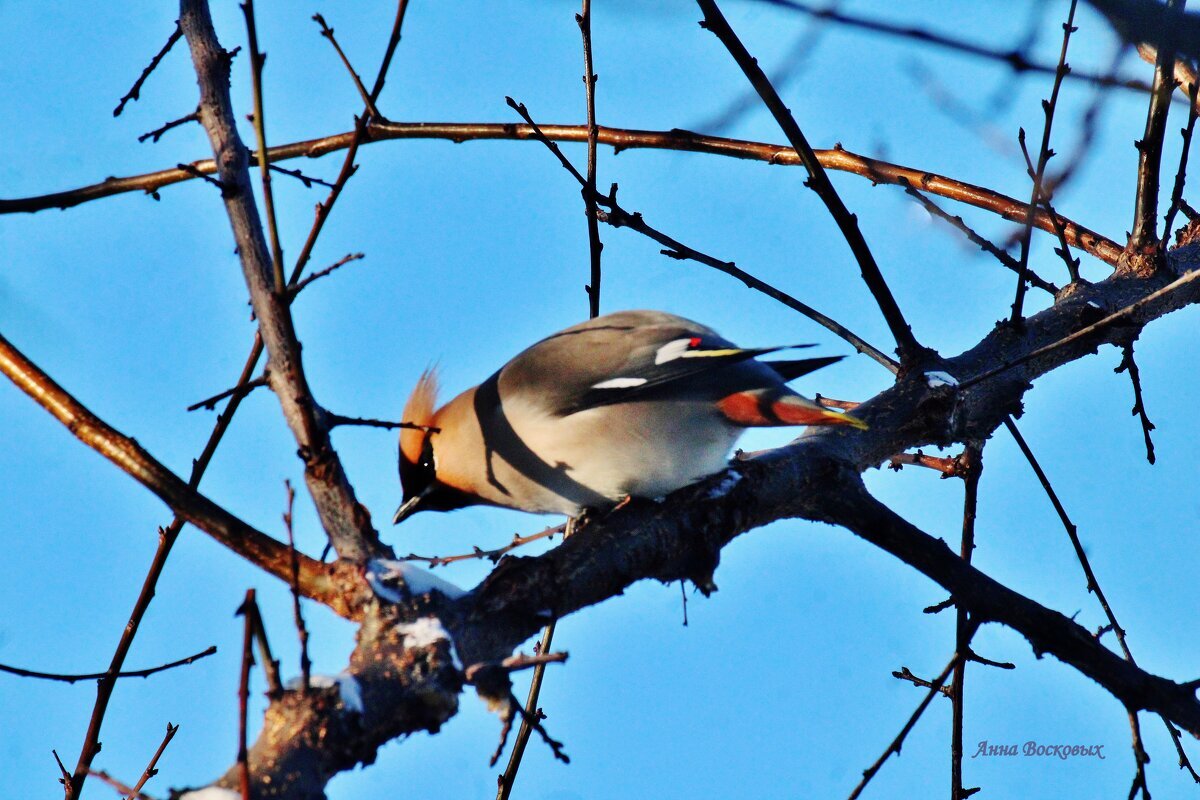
368,100
135,91
347,523
934,688
257,59
491,555
1037,174
907,346
1015,59
1128,364
296,287
92,676
237,392
985,245
1143,250
1181,172
595,246
244,692
301,628
130,457
839,159
157,133
620,218
151,768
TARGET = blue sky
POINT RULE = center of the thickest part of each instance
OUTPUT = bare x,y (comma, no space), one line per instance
780,686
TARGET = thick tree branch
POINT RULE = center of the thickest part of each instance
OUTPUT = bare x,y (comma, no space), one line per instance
816,477
345,521
317,579
1143,249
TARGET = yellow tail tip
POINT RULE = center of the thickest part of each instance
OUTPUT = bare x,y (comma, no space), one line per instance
841,418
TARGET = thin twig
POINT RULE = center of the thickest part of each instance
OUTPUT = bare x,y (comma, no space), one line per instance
157,133
297,287
530,711
618,217
243,754
1128,364
515,663
152,767
948,467
135,91
257,60
905,674
972,461
195,172
307,180
337,420
1140,758
301,628
829,402
1181,172
1038,174
975,238
935,688
1093,585
270,664
327,32
491,555
123,789
237,392
95,676
1014,59
1063,250
65,777
818,181
595,246
1119,315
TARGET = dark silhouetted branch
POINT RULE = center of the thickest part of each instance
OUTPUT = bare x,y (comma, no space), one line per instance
1038,173
818,181
135,91
92,676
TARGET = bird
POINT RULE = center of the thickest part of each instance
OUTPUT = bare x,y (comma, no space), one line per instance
628,404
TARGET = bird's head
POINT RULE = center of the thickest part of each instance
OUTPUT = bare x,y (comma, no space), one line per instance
418,460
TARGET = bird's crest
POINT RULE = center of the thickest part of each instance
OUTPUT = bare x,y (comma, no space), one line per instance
419,410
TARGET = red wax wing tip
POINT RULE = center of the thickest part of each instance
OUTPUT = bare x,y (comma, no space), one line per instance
744,408
694,341
751,409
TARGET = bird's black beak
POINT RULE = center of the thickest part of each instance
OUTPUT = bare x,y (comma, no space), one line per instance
410,506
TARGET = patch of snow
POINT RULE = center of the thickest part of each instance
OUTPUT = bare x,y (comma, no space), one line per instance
936,379
1094,305
211,793
347,684
619,383
396,581
727,483
423,632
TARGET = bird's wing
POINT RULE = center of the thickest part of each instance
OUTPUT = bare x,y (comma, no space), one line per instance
697,370
792,369
630,356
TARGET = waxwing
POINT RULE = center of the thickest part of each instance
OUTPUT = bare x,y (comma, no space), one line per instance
630,404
